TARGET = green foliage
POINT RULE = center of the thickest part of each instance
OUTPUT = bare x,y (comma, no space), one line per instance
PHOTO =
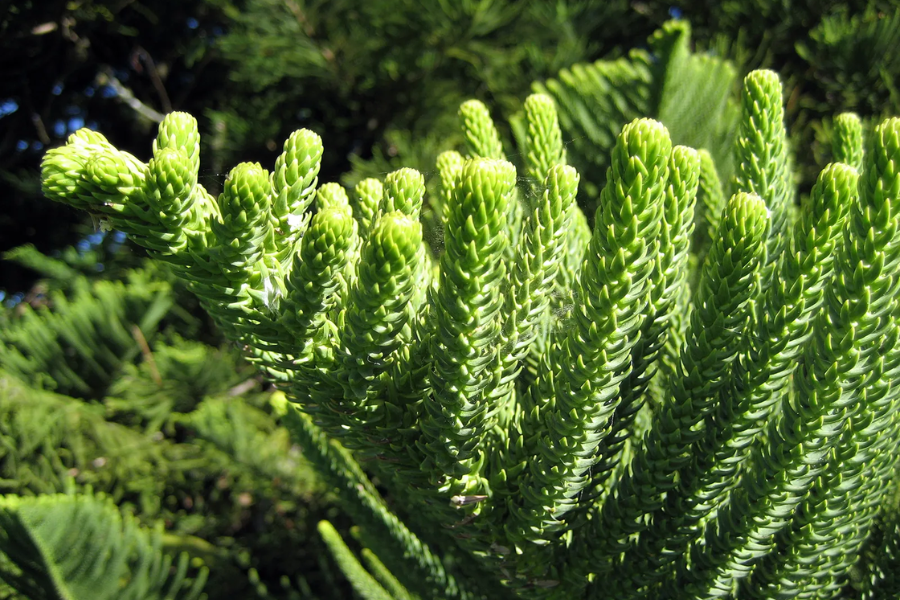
49,438
364,584
847,141
467,323
393,541
759,376
879,556
761,156
583,371
173,430
175,378
854,57
80,547
78,346
519,449
385,577
865,456
386,78
689,93
118,66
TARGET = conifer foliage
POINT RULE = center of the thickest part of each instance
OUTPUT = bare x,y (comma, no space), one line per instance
110,419
79,547
521,451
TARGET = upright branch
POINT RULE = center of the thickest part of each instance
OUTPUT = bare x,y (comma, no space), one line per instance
844,503
576,392
467,324
847,140
760,375
832,387
762,158
726,286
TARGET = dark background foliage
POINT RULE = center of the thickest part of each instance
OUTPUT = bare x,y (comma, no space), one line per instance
381,82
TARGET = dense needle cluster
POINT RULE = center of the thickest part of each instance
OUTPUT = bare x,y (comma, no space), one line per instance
718,408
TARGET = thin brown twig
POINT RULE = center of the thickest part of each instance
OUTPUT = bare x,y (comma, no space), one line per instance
106,77
39,127
148,354
298,13
242,388
145,57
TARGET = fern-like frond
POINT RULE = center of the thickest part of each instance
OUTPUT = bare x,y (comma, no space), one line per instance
60,547
78,341
361,580
362,500
689,93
